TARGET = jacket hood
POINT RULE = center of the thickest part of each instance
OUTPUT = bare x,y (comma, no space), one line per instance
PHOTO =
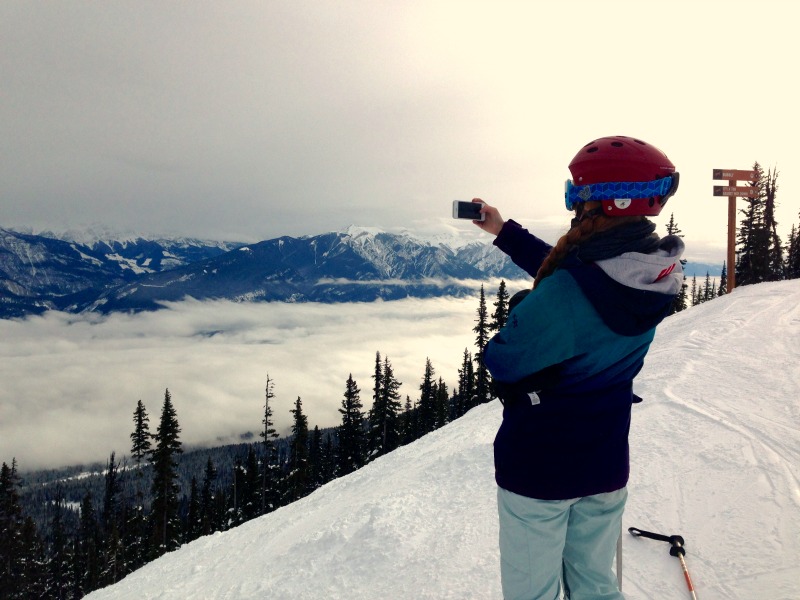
632,292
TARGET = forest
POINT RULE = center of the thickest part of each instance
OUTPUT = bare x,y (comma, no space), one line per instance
66,533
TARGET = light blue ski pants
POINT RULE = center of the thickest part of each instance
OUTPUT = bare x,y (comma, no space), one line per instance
547,544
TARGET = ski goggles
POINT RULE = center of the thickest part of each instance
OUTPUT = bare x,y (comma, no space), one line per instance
664,188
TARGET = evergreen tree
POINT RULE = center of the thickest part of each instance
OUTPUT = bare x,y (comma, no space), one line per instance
60,558
140,438
466,398
707,291
86,557
315,458
723,280
695,294
165,522
193,528
408,423
352,445
680,301
384,423
299,477
210,520
328,461
251,491
752,247
427,400
113,551
235,513
500,314
482,379
32,573
375,438
793,254
441,404
270,494
775,247
136,537
11,522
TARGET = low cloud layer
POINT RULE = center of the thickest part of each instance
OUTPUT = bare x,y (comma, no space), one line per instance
71,383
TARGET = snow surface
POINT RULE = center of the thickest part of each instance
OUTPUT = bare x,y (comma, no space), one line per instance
715,457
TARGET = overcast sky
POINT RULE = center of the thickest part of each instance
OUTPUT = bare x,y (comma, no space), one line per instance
250,120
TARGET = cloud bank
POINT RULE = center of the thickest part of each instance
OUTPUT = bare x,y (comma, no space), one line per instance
71,383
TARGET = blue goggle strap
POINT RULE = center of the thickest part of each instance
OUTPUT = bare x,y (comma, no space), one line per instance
575,194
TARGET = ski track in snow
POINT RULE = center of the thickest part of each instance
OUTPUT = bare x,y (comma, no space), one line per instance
715,450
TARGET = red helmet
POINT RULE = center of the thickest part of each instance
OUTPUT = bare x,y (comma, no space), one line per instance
620,163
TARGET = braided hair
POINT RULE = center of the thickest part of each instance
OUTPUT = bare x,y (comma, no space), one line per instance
581,230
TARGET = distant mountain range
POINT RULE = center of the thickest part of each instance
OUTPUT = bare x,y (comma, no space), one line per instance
76,273
40,272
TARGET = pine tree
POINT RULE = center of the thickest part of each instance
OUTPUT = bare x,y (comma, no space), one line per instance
383,418
328,461
60,557
500,314
113,551
32,573
707,292
11,522
723,280
165,522
269,490
136,537
352,444
775,247
482,379
793,254
210,520
408,423
427,400
695,294
251,492
299,477
315,458
193,530
466,386
441,404
680,301
752,246
375,439
87,554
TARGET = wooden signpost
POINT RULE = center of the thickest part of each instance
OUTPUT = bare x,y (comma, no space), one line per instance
733,191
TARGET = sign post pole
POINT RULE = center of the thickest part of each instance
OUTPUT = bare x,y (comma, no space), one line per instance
733,191
731,240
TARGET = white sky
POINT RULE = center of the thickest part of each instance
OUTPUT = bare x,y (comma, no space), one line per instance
251,120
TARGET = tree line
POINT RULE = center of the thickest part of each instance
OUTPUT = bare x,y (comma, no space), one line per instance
145,512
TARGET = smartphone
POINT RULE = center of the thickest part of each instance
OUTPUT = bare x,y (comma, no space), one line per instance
468,210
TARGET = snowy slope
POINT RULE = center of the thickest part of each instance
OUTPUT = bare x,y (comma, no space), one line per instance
716,458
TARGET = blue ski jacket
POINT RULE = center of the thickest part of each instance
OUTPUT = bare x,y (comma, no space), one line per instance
565,361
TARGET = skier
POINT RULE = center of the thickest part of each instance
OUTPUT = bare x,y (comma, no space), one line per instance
564,365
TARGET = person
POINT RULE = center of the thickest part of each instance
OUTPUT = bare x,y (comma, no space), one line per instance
564,364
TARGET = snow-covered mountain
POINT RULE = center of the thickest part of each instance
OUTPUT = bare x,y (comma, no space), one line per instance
46,271
715,458
358,264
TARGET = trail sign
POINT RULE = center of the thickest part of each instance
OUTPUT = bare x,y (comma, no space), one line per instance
735,191
734,174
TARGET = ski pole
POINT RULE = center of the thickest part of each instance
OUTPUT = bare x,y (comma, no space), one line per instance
677,548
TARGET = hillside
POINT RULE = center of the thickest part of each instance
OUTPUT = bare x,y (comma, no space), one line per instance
715,458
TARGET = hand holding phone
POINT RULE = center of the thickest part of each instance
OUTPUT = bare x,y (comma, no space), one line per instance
468,210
